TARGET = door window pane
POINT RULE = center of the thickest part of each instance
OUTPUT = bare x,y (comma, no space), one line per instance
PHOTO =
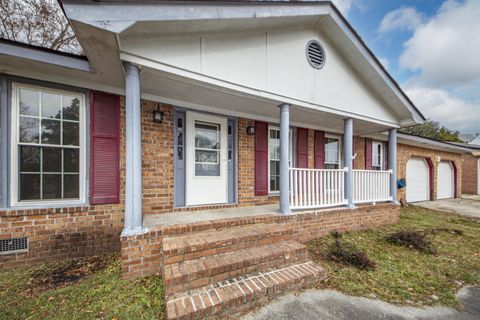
28,102
207,149
207,135
204,156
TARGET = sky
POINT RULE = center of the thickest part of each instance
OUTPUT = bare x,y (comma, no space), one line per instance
432,48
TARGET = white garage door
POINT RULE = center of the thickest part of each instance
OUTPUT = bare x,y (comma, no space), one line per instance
445,181
418,185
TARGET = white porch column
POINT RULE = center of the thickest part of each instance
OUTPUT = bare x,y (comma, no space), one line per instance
133,182
284,152
348,159
392,162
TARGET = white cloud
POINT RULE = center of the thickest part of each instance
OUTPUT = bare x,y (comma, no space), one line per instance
450,111
446,49
404,18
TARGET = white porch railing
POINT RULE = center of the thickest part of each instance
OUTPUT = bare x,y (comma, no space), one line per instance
315,188
371,186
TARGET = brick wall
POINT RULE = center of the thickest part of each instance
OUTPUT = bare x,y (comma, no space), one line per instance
142,256
405,152
359,149
311,148
470,174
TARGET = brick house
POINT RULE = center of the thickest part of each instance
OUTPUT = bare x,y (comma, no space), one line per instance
200,135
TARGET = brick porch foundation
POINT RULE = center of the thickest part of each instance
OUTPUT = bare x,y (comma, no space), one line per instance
211,268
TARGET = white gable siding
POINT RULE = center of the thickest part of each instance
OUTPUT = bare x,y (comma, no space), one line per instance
271,61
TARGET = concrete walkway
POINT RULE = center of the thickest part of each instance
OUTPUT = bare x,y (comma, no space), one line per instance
467,207
333,305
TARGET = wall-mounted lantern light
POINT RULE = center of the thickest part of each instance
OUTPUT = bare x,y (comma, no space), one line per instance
250,128
158,115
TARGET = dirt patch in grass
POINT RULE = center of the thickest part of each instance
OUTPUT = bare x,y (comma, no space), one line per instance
346,253
63,273
79,289
412,239
403,275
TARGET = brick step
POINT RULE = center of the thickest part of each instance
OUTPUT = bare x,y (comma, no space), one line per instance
242,293
192,274
202,244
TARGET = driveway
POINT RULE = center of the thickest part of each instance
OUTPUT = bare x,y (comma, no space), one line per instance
333,305
467,207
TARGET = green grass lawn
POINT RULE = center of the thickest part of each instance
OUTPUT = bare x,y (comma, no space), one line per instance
93,288
404,275
79,289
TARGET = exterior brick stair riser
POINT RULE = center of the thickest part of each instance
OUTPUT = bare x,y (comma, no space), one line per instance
218,273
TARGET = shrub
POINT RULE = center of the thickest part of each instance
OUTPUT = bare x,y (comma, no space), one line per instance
412,239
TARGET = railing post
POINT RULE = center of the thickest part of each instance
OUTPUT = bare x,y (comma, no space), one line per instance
392,162
133,164
284,152
348,160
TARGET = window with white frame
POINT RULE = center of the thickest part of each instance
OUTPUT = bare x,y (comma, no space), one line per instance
377,156
332,152
274,157
47,146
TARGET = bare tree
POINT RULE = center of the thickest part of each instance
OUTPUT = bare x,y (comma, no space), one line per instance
37,22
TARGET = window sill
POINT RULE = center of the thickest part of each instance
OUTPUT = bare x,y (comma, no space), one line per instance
48,205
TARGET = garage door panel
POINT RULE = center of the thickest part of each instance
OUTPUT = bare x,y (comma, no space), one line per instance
418,185
445,180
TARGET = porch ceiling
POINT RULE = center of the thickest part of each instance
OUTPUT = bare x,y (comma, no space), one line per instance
184,92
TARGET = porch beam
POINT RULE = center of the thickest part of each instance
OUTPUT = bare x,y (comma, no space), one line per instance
133,165
392,162
284,152
348,159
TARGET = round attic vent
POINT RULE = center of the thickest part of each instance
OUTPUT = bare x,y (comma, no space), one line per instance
315,54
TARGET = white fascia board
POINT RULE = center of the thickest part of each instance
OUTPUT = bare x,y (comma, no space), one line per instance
19,51
116,17
194,78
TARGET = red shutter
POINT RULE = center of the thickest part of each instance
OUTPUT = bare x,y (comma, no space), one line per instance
302,148
104,148
368,154
261,158
319,147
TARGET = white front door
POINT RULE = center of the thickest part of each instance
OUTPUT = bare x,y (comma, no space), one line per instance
445,181
206,159
418,180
